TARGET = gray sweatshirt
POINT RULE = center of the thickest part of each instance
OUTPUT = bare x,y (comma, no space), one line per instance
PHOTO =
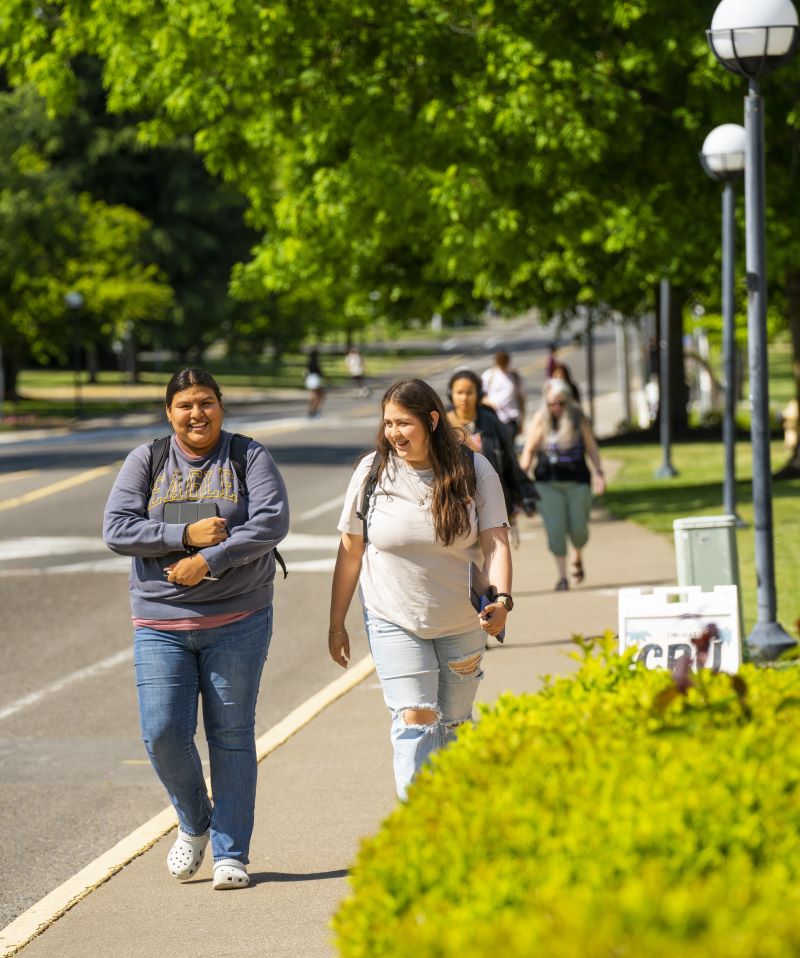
244,563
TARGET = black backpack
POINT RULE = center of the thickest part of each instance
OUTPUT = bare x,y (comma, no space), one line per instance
159,450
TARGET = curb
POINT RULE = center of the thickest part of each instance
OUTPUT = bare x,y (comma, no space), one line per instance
58,902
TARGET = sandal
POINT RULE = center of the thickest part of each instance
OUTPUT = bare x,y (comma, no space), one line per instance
577,571
562,586
230,873
186,855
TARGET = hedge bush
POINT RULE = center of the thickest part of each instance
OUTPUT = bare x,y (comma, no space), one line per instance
610,814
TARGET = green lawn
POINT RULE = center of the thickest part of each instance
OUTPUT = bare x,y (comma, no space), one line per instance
781,380
232,372
112,396
635,494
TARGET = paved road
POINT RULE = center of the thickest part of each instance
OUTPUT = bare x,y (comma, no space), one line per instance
75,779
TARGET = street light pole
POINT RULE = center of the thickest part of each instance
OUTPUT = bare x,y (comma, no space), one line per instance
767,632
666,470
729,349
753,39
74,302
623,370
590,372
723,158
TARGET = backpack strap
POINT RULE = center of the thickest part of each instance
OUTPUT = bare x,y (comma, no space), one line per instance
369,490
473,475
159,450
239,447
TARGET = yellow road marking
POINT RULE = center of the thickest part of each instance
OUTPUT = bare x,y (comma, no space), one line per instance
276,430
55,487
10,476
91,474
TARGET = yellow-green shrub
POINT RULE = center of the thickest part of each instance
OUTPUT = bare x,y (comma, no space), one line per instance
600,817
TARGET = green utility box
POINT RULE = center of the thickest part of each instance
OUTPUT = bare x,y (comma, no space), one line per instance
705,549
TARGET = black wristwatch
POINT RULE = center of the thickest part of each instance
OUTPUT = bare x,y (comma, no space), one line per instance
505,600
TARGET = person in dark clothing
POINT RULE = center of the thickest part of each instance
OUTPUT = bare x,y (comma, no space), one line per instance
315,384
561,371
485,433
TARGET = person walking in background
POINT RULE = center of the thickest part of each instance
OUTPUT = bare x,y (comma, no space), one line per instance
355,366
482,431
552,359
561,371
561,437
427,507
315,384
504,392
201,597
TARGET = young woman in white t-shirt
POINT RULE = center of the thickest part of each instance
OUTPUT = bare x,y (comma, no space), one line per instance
436,508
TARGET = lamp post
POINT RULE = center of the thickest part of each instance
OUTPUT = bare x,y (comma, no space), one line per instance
722,157
590,368
74,303
666,470
752,38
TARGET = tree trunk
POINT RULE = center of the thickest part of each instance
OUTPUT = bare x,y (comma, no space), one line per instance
131,366
678,388
791,470
91,361
11,369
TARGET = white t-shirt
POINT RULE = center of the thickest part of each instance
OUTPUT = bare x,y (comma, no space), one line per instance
501,390
355,364
407,577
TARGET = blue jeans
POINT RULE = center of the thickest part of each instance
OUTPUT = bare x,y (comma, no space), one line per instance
223,666
437,676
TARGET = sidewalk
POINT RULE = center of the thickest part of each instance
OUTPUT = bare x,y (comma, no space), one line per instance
331,784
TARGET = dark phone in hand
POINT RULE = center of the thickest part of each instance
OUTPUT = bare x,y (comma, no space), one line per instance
481,593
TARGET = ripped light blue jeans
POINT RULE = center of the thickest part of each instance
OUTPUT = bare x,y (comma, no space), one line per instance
438,676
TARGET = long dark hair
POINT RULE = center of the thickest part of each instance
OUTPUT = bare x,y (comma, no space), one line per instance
191,376
454,480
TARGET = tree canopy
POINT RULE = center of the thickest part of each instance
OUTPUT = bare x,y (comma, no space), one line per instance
441,153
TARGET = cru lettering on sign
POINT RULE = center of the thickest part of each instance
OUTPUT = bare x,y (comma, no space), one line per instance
662,622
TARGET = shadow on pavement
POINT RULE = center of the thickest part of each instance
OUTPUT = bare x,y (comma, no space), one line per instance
259,878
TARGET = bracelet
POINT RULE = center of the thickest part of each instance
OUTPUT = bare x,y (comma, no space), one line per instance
331,632
184,538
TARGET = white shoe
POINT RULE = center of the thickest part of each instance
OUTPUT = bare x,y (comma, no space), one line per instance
186,855
230,873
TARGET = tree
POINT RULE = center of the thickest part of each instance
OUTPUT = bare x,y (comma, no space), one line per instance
53,240
197,230
441,153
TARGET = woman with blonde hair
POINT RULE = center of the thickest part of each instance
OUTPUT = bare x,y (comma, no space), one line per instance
561,437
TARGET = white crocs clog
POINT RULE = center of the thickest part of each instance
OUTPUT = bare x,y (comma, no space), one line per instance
230,873
186,855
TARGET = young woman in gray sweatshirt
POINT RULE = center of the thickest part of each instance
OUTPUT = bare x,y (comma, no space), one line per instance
201,599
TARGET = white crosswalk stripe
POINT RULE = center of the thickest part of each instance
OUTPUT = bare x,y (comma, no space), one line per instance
39,547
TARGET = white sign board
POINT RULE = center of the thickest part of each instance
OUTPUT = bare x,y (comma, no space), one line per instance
661,623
